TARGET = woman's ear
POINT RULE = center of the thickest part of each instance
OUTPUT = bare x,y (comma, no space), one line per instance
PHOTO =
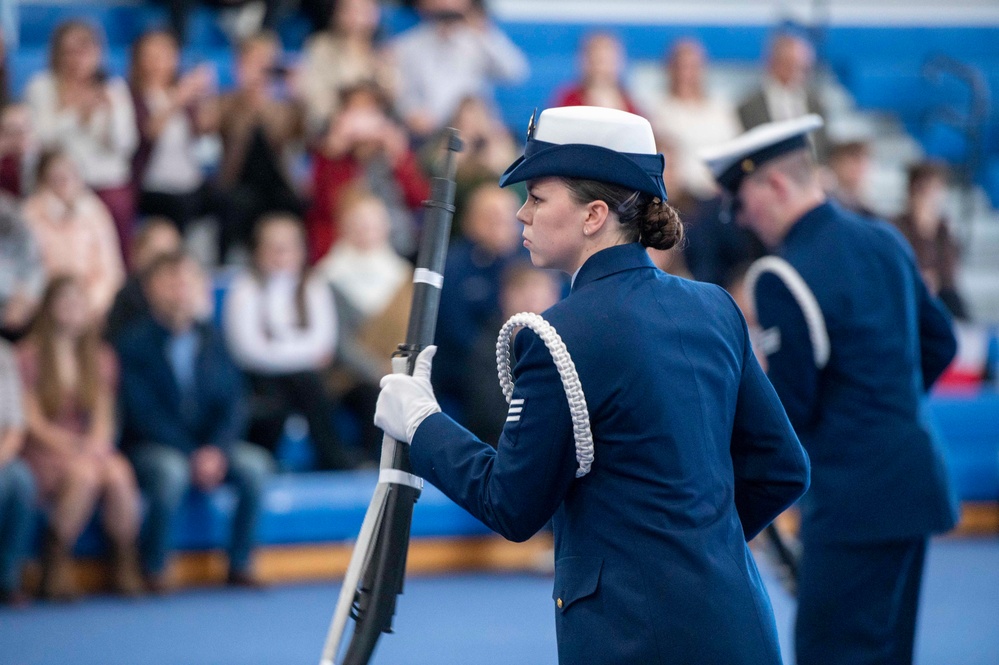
596,217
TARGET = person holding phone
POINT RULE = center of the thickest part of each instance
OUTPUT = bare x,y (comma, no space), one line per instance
78,107
455,52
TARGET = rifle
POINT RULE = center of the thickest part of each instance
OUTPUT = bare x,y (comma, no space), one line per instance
378,563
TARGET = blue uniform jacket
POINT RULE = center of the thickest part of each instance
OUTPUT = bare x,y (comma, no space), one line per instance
151,398
693,456
876,473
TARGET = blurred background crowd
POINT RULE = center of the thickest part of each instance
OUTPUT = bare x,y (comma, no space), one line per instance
202,258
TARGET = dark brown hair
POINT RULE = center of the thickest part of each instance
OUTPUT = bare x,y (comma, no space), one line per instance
51,393
649,220
928,170
301,304
136,77
60,33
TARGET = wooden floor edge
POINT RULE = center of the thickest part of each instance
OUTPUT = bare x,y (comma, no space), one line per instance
978,518
328,561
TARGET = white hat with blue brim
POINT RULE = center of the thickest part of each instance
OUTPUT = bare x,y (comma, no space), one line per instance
591,143
734,160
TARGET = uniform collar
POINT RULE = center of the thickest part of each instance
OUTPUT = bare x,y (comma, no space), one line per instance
808,220
612,260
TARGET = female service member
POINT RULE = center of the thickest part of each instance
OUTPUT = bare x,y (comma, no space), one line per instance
693,452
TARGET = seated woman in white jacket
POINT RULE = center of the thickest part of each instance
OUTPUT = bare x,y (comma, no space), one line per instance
281,327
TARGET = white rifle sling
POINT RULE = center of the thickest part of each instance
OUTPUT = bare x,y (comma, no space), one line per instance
566,370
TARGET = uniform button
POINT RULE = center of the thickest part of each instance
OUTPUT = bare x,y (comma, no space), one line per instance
559,603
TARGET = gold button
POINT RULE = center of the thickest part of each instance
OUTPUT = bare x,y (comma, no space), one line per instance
559,603
748,166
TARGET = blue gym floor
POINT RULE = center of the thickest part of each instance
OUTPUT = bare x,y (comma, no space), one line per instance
481,619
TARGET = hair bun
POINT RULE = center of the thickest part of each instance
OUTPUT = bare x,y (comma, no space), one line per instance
661,228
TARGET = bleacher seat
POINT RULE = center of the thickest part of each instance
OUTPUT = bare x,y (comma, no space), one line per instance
969,430
303,508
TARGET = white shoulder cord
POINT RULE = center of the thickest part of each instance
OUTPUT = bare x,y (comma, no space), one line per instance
814,320
566,370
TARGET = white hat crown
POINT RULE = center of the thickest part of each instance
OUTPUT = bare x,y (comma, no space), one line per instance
589,125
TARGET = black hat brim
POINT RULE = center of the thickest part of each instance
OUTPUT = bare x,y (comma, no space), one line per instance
588,162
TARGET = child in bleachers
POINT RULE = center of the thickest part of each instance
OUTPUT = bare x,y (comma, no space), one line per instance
74,231
70,379
76,107
364,143
346,52
170,110
281,329
601,62
374,290
17,484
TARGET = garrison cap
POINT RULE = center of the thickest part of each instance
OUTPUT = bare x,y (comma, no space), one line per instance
591,143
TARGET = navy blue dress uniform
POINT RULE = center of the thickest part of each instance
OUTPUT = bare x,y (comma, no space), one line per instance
694,455
854,341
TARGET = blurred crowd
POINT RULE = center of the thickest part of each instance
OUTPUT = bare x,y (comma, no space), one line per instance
144,356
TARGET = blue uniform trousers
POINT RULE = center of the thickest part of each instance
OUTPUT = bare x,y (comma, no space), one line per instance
857,602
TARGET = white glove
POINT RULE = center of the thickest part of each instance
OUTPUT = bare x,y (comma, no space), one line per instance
406,400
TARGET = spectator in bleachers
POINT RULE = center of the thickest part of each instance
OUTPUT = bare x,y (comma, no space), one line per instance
18,151
488,148
523,288
281,328
245,14
374,290
17,484
74,231
601,64
365,144
171,116
691,116
346,52
786,91
927,228
849,165
261,131
184,418
455,51
155,237
22,273
76,107
70,379
490,242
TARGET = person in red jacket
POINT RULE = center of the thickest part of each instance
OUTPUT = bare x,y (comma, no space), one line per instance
364,143
602,62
